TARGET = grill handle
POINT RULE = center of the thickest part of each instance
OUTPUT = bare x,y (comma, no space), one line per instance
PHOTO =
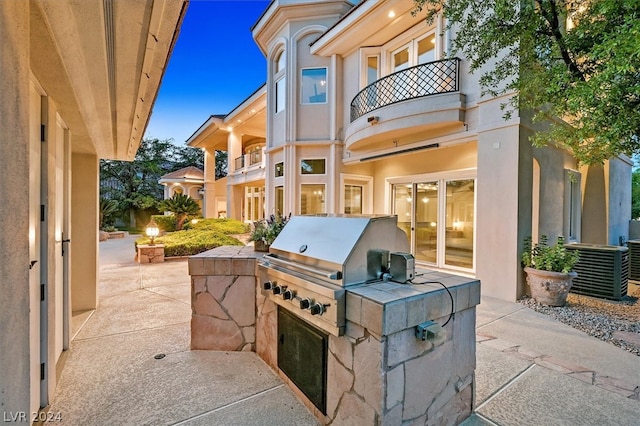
332,275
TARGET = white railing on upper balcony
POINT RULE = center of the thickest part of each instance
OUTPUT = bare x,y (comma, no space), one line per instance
253,158
422,80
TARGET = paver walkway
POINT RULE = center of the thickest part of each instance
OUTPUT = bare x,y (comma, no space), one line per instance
130,362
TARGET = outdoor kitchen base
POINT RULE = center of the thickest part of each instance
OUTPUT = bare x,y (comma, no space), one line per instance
376,353
379,373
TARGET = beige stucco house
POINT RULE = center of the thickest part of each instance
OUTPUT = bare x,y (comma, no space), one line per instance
188,181
363,112
78,81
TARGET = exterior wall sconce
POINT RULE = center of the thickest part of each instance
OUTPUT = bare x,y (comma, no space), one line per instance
152,231
373,119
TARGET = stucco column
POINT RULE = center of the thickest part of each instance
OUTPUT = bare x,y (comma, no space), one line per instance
14,208
498,192
235,193
209,209
84,231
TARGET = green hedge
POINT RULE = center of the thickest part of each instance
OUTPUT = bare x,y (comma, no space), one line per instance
226,226
204,235
165,223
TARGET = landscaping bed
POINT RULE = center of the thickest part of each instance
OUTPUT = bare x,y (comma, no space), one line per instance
203,235
617,323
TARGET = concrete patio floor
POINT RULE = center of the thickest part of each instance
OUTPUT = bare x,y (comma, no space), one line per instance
130,364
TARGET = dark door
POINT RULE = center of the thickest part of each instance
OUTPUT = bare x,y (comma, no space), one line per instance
302,356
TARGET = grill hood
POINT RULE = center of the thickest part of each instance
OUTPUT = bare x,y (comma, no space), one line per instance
338,248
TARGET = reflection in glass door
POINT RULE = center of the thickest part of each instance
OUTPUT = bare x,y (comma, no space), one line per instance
353,199
426,245
418,217
460,223
403,208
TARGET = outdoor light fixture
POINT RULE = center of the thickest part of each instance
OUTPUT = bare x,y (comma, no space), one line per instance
152,231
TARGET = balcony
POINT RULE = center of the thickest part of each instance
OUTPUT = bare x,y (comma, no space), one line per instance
413,104
248,167
422,80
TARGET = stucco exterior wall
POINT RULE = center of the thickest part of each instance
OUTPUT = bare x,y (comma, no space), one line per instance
498,265
594,207
312,119
84,222
14,209
620,172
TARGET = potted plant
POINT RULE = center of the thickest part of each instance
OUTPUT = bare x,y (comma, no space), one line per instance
265,231
549,270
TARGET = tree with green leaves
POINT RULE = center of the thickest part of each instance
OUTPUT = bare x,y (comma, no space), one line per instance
182,206
573,64
134,184
635,194
221,164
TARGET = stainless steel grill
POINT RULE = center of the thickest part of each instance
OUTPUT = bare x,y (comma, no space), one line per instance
315,258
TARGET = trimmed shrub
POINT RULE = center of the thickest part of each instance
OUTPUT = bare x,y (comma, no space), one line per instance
226,226
165,223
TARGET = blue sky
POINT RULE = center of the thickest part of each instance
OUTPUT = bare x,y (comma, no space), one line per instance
215,65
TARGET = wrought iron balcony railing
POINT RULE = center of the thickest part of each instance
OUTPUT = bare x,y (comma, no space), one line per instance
422,80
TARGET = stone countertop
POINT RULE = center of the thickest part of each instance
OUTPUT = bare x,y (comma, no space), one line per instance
388,307
225,260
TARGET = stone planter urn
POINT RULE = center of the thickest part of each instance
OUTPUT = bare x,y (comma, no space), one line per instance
260,246
548,287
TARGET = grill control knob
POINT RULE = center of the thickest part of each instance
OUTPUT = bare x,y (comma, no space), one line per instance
278,289
317,309
268,285
288,294
305,303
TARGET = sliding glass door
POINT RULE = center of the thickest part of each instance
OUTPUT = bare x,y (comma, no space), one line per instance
438,217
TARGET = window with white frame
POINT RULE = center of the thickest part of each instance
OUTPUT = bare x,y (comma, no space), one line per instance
312,199
313,89
279,199
316,166
279,169
280,81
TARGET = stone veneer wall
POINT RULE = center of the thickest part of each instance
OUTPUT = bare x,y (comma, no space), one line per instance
223,293
379,373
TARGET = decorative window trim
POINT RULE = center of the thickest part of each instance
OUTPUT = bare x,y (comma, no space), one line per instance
313,159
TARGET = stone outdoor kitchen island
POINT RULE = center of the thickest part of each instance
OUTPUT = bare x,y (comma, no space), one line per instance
378,372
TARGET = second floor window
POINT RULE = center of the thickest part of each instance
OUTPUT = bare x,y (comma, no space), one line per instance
314,86
312,167
279,170
279,78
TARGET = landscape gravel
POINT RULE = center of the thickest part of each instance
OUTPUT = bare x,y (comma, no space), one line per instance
599,317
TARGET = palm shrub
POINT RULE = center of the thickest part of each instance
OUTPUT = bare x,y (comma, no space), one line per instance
107,209
182,206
